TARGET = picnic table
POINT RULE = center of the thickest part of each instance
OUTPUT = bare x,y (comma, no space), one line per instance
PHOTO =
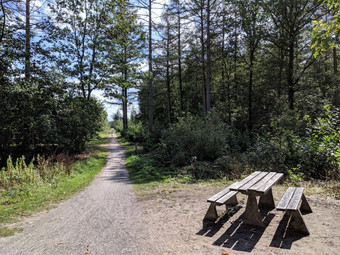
257,184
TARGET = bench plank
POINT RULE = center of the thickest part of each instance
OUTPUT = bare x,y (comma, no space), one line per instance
244,181
262,182
253,181
286,199
222,193
218,195
264,188
226,197
295,201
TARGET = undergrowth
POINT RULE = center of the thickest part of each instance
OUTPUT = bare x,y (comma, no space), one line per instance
30,188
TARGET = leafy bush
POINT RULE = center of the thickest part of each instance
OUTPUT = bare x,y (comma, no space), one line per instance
320,150
200,137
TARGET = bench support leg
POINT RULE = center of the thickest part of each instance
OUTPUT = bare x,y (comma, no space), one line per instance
252,214
297,222
231,202
304,205
267,200
211,214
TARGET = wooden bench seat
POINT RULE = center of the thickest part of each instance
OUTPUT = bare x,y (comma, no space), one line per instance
225,197
291,203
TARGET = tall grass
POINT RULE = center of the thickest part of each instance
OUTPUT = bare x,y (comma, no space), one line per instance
25,189
39,170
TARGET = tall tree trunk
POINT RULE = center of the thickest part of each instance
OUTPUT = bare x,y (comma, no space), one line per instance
168,82
250,91
235,59
290,75
150,89
208,59
203,57
179,52
3,25
335,70
124,90
28,40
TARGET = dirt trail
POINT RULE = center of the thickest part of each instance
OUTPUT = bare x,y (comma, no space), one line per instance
102,219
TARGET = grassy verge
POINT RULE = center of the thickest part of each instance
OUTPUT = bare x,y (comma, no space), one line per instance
25,199
148,177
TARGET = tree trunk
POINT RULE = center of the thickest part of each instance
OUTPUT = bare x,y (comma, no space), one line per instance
168,87
208,103
3,25
150,71
203,57
235,60
290,75
124,92
28,40
250,92
179,61
335,70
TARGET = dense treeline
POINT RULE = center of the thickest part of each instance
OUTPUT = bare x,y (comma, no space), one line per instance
231,85
53,57
238,84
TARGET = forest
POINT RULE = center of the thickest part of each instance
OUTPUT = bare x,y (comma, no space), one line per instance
223,86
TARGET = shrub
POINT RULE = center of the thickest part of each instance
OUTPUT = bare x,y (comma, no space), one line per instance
200,137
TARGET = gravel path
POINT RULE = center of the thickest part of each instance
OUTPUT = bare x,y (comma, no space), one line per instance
102,219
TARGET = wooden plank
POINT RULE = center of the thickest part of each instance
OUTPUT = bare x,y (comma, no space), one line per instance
226,197
286,199
220,194
253,181
245,180
262,182
295,201
264,188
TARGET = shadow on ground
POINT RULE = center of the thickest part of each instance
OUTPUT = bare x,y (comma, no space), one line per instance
239,236
285,236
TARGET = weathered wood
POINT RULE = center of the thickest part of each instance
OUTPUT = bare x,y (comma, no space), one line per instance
264,188
217,196
225,199
252,182
222,193
262,181
297,222
267,200
291,202
244,181
305,205
211,214
295,200
285,199
252,214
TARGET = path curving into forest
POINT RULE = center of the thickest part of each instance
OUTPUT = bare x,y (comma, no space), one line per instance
102,219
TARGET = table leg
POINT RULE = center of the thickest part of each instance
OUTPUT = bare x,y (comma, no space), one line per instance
267,200
252,214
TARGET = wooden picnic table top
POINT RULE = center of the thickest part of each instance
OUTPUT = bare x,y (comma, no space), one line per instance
258,183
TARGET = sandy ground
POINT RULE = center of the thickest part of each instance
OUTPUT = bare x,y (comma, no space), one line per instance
106,218
175,221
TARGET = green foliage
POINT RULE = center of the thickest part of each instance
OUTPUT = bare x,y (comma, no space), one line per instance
201,138
18,173
144,169
320,149
44,119
326,33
